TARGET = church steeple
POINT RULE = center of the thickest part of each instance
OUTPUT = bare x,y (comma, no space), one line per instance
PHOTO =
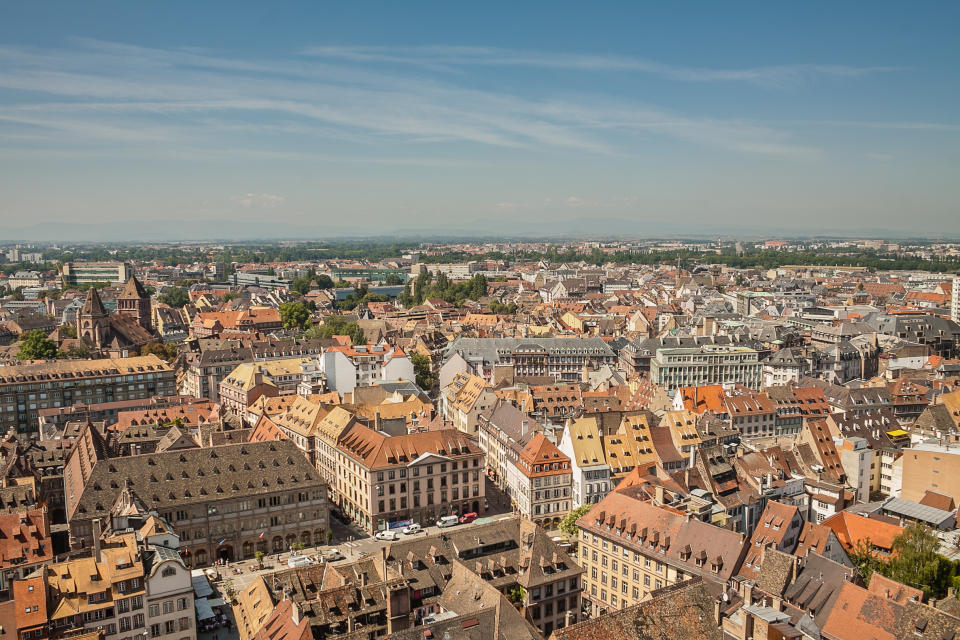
135,301
92,319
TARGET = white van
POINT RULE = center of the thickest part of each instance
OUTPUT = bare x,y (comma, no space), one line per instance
448,521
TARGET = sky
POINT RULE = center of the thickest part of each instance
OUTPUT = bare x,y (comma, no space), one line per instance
140,121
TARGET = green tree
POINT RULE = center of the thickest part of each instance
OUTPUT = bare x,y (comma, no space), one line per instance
516,594
35,345
864,559
338,326
422,367
324,281
300,285
258,555
230,295
165,350
914,561
294,315
175,297
394,279
75,352
569,523
68,330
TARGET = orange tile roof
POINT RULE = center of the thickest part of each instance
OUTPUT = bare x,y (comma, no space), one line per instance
857,614
705,398
851,528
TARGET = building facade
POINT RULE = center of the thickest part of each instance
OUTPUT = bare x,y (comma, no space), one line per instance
225,502
27,389
78,273
706,365
386,482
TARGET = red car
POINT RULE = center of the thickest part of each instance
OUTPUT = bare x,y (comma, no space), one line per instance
467,518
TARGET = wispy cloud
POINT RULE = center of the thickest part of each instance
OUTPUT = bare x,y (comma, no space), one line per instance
115,94
450,57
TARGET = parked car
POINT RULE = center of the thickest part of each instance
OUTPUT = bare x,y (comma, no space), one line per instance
332,555
386,535
467,518
409,530
448,521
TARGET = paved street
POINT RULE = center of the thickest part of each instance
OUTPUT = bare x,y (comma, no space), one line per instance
349,540
355,545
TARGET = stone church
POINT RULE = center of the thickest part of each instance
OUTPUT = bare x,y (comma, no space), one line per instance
121,333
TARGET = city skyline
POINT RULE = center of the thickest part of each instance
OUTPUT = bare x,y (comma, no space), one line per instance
131,122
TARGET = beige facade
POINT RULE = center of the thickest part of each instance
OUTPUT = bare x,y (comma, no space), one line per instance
933,467
26,389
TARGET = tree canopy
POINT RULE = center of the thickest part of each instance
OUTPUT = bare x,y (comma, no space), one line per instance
424,287
569,523
35,345
914,561
338,326
424,372
175,297
295,315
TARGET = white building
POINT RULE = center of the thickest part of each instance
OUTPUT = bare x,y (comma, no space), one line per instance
955,300
539,480
856,458
346,368
590,473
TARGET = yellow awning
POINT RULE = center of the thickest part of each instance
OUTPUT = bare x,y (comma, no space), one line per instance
896,433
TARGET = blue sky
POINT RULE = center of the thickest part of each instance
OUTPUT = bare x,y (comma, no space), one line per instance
329,118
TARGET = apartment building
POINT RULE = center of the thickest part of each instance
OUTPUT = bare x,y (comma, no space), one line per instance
250,380
27,389
25,544
582,443
630,547
77,273
933,466
679,367
753,415
955,300
386,482
464,400
501,428
254,319
226,502
125,588
562,359
327,434
207,368
539,479
347,368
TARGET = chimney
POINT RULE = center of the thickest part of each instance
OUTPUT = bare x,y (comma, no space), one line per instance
523,427
97,530
296,613
658,494
363,578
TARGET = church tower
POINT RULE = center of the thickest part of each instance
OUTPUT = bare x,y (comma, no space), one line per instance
92,321
134,301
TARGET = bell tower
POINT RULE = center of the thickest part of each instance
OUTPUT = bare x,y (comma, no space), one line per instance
134,301
92,322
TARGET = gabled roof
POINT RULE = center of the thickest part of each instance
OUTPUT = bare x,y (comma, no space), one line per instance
851,528
93,305
133,290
